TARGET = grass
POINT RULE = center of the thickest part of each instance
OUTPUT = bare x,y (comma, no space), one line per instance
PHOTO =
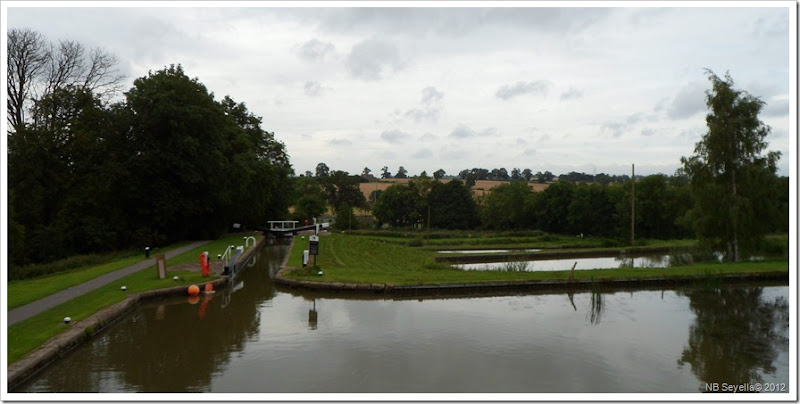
29,334
22,292
359,259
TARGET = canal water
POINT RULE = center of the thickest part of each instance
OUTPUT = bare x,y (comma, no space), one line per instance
256,338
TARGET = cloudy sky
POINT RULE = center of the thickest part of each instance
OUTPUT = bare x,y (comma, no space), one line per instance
559,89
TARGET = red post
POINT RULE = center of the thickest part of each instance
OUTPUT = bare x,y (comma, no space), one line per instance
204,264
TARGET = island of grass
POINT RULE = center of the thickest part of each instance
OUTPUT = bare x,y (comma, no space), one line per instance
390,262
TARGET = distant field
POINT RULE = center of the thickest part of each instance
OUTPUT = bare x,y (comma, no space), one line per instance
481,186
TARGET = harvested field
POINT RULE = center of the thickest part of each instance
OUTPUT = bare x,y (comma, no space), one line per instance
481,187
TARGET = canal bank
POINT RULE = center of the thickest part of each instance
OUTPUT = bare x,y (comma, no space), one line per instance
374,278
81,331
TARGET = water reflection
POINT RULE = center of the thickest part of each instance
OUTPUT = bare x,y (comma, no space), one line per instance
737,335
596,306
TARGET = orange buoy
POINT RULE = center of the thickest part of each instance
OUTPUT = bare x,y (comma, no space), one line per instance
193,290
209,287
193,299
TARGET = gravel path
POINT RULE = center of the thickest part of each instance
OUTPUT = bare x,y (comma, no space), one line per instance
33,308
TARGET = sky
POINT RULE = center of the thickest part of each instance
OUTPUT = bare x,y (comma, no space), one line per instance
562,89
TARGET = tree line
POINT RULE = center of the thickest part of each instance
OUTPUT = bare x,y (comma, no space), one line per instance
167,162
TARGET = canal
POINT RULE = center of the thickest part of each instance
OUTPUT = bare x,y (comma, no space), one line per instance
253,337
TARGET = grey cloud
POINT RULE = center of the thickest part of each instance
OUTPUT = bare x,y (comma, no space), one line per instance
616,128
315,50
463,132
370,59
430,108
431,95
424,114
422,154
312,88
772,26
690,100
776,108
394,136
533,87
427,136
520,141
340,142
450,21
571,94
648,132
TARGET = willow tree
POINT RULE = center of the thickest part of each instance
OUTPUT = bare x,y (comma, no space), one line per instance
729,175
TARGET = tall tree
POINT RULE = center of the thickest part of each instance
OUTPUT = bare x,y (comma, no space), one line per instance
27,59
401,173
439,174
385,172
342,189
728,170
322,170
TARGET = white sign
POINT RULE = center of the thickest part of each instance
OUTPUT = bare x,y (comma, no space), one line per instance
313,238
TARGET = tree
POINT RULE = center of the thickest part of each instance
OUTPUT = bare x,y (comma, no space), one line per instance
322,170
37,69
309,199
452,206
505,207
401,173
342,189
439,174
397,206
366,171
728,171
527,174
516,174
385,172
27,59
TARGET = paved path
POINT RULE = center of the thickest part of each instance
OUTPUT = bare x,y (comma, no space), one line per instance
33,308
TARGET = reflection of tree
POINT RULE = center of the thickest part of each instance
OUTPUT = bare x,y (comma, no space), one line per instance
736,334
596,307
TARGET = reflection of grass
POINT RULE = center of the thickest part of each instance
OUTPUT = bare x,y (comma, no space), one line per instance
368,260
515,266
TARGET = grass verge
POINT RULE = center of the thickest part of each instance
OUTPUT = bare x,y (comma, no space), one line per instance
22,292
359,259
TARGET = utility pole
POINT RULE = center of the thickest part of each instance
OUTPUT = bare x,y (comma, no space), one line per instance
633,198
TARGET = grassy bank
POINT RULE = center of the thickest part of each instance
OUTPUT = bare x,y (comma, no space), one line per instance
29,334
359,259
456,239
22,292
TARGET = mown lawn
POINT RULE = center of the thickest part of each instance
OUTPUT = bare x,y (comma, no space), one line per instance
358,259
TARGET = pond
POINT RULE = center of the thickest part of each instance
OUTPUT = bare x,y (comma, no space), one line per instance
565,264
256,338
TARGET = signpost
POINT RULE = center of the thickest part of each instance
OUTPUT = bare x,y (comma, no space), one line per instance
313,247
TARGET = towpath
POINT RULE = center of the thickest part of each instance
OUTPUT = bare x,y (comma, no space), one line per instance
33,308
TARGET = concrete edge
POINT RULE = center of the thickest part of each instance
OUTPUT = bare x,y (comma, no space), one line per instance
83,330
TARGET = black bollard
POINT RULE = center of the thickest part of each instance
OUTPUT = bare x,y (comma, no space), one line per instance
147,252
